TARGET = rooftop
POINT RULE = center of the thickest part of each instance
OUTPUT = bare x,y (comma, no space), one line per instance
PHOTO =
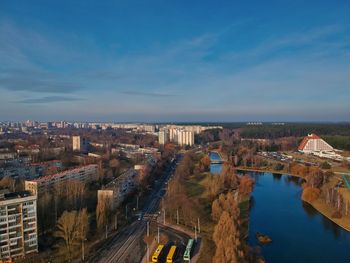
49,177
14,195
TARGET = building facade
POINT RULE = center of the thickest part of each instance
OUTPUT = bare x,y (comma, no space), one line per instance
180,136
185,138
80,144
163,137
313,143
18,224
83,174
115,192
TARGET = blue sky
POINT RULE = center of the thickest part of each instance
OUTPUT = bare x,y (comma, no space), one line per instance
175,60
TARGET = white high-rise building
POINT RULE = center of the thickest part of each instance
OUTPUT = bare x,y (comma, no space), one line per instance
173,133
163,136
185,138
18,224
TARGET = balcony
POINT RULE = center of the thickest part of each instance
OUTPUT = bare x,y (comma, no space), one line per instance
17,224
16,236
3,234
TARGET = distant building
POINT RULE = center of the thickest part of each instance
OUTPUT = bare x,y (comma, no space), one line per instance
83,174
185,138
18,224
163,136
7,156
80,144
184,134
313,143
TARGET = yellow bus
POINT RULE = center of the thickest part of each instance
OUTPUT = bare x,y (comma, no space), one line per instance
171,254
155,256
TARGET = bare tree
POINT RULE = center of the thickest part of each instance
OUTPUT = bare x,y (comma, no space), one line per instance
9,183
103,211
72,228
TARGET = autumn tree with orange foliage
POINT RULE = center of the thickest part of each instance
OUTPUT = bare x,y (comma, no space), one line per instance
205,163
310,194
228,203
299,169
227,180
246,184
226,238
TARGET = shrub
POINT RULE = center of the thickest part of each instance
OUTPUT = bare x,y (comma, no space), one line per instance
278,167
310,194
336,214
326,165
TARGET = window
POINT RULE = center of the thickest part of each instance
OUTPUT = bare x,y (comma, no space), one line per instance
32,243
3,249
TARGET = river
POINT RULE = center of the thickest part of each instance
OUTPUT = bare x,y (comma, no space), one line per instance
299,232
215,168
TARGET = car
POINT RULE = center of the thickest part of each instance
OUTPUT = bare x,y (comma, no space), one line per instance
140,216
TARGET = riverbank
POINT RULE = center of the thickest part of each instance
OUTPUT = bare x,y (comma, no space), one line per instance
268,171
325,210
319,205
277,206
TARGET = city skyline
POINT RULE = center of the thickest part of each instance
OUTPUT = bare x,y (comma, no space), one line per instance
171,62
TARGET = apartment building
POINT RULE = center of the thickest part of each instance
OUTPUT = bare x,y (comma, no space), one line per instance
185,138
117,190
163,137
80,144
180,136
18,224
84,174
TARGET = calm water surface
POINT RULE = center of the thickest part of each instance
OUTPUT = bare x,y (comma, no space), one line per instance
215,168
300,234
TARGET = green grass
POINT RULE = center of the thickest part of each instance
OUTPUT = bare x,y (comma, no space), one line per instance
193,185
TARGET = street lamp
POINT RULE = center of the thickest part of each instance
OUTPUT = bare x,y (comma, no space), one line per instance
83,249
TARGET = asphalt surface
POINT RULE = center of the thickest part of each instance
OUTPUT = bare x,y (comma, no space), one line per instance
124,245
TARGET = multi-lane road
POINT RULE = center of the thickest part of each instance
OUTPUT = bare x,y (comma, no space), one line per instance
122,247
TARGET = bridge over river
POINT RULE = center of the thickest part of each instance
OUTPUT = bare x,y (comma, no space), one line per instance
216,157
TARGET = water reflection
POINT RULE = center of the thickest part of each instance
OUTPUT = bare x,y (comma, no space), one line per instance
309,210
277,176
299,232
294,180
332,227
215,168
251,202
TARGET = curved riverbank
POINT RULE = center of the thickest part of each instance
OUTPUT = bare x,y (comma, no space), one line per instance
319,205
325,210
268,171
299,232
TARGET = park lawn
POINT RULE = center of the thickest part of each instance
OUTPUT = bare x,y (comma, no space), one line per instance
193,185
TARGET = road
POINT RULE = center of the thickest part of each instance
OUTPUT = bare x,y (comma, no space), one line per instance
122,247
